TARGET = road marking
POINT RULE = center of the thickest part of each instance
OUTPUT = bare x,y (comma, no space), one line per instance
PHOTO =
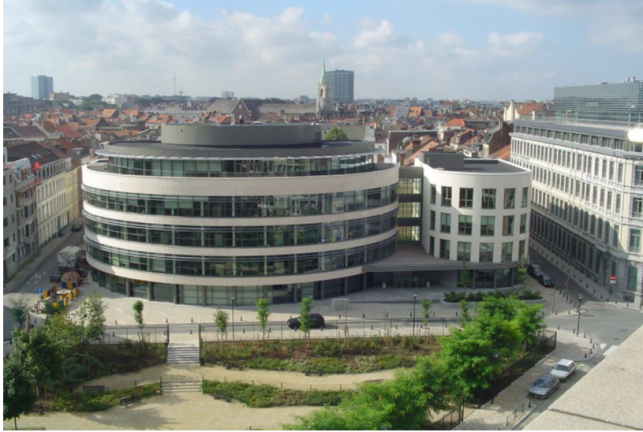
603,346
610,351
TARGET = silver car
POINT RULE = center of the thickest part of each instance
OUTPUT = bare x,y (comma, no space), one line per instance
544,386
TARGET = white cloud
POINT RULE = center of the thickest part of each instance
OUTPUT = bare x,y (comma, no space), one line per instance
513,43
327,19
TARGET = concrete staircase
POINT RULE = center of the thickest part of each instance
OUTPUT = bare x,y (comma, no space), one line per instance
181,386
182,353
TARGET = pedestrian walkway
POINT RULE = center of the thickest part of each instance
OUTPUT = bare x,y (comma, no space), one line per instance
512,405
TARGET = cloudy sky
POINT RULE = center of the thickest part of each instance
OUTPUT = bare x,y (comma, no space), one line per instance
451,49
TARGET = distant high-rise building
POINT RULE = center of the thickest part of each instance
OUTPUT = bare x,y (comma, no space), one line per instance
622,102
41,87
227,94
342,85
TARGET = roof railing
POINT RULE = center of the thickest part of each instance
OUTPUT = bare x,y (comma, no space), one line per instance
607,124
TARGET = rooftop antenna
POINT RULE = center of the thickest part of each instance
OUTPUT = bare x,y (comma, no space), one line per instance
174,80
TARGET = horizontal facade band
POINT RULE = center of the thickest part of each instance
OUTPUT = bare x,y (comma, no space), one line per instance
205,222
249,266
146,247
220,281
242,206
96,177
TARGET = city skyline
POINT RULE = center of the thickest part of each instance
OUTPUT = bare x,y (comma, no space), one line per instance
488,49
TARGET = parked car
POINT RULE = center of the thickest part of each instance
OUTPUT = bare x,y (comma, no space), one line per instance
564,369
533,270
545,280
77,227
55,277
316,321
544,386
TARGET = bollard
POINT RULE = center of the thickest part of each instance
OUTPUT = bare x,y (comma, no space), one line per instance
190,331
585,355
115,322
591,351
113,334
165,320
191,319
456,314
627,305
529,406
241,319
363,315
584,337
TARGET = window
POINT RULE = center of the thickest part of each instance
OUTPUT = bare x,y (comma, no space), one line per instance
617,206
445,223
510,198
432,221
488,198
465,225
521,249
408,234
486,252
609,200
638,175
445,249
611,176
523,223
466,198
409,210
464,251
507,225
635,240
487,225
5,222
507,251
434,193
637,208
604,170
525,196
632,278
620,172
446,196
410,186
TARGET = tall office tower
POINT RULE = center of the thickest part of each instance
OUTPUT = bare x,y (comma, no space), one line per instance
342,84
588,190
620,102
227,94
41,87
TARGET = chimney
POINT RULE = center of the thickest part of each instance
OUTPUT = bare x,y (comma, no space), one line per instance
416,144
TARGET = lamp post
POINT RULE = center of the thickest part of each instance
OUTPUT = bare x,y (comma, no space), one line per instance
495,376
232,299
415,296
580,300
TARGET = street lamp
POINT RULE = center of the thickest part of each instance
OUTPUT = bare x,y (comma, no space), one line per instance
232,299
415,296
495,376
580,300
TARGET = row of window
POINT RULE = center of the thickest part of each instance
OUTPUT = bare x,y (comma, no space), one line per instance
485,253
410,186
242,167
487,224
254,236
246,206
487,199
613,143
593,225
275,265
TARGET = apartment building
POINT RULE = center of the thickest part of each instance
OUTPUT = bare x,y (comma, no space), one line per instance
587,200
9,223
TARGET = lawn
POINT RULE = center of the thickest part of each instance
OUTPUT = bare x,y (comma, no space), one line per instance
326,356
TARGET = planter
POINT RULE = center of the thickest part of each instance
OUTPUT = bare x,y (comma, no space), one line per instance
451,305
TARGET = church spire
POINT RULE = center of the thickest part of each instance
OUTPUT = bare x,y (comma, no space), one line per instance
323,72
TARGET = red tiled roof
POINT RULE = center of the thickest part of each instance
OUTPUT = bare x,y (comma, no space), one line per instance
455,123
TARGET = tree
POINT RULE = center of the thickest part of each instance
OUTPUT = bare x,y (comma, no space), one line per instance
464,276
304,315
521,275
19,311
426,314
37,353
335,134
18,396
530,323
506,307
262,315
94,97
221,321
138,317
91,315
464,311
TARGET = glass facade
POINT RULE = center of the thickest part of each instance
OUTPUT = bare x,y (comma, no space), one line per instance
244,206
251,266
242,167
253,236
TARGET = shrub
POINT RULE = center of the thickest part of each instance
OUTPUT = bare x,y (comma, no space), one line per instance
92,402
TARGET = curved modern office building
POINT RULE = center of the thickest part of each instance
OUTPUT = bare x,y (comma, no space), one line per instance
212,213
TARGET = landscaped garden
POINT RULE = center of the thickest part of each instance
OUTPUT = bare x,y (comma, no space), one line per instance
478,296
327,356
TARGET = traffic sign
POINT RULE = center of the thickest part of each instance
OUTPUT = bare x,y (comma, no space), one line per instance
39,290
613,279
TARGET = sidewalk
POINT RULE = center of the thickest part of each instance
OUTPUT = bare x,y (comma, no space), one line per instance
41,255
494,417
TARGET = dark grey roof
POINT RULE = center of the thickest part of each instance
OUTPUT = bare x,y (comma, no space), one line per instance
33,151
224,106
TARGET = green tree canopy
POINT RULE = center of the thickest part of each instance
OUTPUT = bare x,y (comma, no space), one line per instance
18,395
304,314
221,321
19,311
335,134
262,314
91,315
94,97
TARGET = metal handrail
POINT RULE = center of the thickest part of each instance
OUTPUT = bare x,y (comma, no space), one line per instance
514,414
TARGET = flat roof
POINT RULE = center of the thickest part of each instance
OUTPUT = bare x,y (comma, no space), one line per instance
457,162
608,397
